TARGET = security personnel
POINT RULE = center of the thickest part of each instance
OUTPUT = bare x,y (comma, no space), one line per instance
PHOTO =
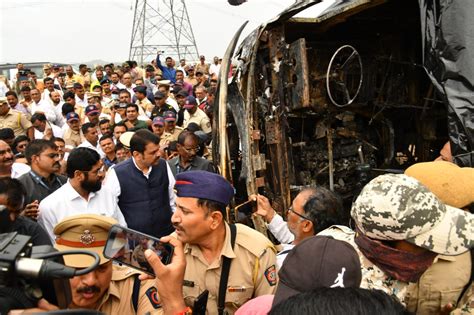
17,121
170,126
196,115
109,288
201,203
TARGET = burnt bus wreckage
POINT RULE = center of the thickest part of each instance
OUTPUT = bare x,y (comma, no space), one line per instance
364,88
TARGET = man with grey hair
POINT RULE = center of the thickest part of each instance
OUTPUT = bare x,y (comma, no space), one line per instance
313,210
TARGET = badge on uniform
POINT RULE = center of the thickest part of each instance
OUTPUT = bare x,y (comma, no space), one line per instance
152,295
271,275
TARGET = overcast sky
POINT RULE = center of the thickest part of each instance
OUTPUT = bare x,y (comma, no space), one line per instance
84,30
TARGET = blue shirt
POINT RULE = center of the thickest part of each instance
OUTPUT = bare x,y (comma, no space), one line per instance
168,73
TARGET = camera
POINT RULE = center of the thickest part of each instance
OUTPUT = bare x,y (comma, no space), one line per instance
29,273
18,289
24,72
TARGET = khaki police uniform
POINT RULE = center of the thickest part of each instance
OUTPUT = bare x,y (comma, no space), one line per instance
164,138
73,138
173,136
252,271
145,104
90,232
118,299
440,284
200,118
15,120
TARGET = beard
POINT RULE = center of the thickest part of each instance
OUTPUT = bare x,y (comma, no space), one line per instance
91,186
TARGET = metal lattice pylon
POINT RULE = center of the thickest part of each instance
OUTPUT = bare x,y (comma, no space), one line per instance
162,25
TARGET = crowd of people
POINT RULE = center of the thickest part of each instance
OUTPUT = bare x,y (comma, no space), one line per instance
135,150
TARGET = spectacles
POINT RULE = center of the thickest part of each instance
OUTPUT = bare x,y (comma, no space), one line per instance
191,150
290,209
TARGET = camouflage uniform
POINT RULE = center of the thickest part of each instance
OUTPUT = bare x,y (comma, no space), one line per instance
398,207
372,276
395,207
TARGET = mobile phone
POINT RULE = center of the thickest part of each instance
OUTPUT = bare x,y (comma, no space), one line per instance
247,207
200,303
127,247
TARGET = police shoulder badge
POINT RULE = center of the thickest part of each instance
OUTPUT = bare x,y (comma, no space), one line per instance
152,295
271,275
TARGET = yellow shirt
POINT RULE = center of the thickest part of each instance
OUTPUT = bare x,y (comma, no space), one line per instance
74,79
252,271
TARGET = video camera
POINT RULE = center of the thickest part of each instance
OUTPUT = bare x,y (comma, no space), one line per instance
24,72
26,273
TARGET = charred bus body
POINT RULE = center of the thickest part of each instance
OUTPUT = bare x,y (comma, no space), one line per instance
332,100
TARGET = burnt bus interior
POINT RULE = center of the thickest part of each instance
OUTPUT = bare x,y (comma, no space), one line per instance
338,100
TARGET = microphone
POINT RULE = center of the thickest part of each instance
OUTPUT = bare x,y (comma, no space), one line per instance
42,269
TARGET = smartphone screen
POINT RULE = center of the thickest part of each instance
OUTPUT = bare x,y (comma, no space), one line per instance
127,247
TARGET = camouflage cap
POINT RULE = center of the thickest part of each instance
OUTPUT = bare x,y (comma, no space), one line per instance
398,207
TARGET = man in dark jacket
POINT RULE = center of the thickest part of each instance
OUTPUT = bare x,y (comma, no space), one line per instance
143,186
42,180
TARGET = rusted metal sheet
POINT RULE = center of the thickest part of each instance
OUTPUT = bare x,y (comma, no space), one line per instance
260,182
259,162
297,83
272,132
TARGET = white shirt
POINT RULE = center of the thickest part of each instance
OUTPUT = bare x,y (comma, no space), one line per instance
98,149
171,101
80,102
214,69
280,230
113,184
46,108
19,169
57,131
45,95
281,256
118,86
182,69
58,111
3,89
130,90
66,201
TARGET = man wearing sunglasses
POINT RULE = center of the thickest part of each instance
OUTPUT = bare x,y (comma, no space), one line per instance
42,180
83,193
187,159
312,211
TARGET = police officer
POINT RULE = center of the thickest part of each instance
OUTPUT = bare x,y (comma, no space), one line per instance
195,115
109,288
211,244
170,126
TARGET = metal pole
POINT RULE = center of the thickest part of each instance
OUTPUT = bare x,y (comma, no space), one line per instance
331,160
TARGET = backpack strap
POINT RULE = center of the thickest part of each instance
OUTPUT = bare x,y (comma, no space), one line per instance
135,292
225,273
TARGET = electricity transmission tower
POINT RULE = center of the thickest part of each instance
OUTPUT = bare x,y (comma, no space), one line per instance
162,25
